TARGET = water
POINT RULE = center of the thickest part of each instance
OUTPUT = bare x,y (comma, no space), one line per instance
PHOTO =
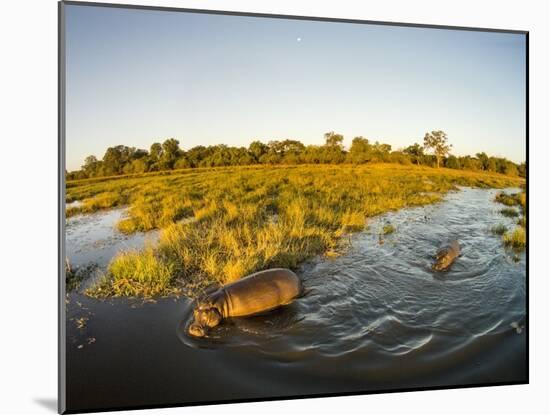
375,318
93,239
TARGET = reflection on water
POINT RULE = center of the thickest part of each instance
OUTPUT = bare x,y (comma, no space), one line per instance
93,238
376,318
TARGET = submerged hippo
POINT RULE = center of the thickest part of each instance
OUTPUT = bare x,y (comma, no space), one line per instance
256,293
446,255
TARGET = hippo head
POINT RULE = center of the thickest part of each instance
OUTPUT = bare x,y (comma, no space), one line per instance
442,262
206,316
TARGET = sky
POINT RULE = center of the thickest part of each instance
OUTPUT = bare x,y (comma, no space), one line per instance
135,77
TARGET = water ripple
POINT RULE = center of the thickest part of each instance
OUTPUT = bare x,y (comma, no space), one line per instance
385,299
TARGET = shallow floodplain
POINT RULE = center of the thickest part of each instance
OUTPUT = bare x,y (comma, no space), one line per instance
219,225
375,318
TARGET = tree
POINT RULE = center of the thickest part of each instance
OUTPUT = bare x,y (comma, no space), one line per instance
170,153
452,162
270,158
245,159
155,151
122,159
197,154
332,154
437,141
469,163
292,146
139,165
381,152
257,149
182,163
91,166
484,159
116,158
312,154
89,161
399,157
522,170
140,153
334,140
510,169
360,150
492,164
501,164
416,151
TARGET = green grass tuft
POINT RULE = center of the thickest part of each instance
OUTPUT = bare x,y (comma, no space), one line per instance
387,229
511,199
499,229
509,212
516,238
134,273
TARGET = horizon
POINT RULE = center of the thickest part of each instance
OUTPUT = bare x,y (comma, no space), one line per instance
346,147
136,77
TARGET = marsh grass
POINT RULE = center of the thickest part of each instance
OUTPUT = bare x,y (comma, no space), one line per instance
218,225
509,212
499,229
136,273
387,229
514,199
100,201
516,238
510,199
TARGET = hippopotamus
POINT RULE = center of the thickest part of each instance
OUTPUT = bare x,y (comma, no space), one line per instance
446,255
254,294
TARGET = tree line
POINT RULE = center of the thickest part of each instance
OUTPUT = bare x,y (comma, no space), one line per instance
434,152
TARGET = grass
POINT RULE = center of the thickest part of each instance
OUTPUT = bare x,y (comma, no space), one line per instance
218,225
516,238
509,212
387,229
499,229
103,200
511,199
141,273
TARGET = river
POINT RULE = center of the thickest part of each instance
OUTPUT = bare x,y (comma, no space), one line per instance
376,318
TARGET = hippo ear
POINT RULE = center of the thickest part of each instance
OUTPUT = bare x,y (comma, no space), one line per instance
210,289
203,305
441,254
205,294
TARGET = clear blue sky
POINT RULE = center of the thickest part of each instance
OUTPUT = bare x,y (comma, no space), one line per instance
135,77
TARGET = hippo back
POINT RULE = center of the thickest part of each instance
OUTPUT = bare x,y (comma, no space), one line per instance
262,291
